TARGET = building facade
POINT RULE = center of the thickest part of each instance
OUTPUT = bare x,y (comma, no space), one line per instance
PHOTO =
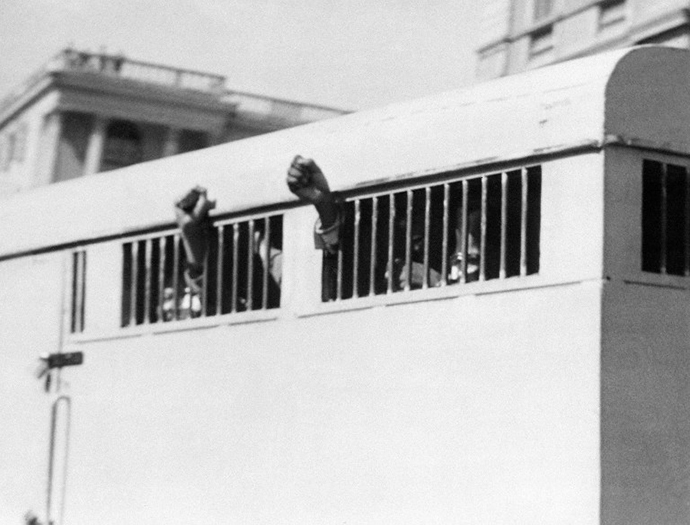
518,35
84,113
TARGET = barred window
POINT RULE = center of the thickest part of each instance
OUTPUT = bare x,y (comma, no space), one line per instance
665,218
78,291
242,273
474,229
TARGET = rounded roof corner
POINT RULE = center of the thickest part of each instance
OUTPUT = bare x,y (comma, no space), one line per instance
648,98
636,92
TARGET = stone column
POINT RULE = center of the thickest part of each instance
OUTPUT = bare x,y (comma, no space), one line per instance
172,142
49,149
94,150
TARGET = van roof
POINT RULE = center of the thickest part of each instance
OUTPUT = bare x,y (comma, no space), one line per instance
633,96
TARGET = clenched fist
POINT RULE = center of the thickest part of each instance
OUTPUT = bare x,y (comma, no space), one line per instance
191,212
306,180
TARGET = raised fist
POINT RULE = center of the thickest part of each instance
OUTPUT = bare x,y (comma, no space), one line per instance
191,213
193,207
306,180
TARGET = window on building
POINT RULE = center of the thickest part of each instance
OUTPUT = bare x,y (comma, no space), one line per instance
665,218
542,9
4,158
611,13
191,140
20,134
541,42
78,291
474,229
242,273
10,144
123,145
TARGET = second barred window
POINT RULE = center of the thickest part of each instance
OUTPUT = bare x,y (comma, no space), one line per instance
242,273
474,229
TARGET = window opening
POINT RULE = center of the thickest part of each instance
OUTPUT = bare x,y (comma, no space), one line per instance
541,42
474,229
20,142
542,9
665,218
78,291
4,152
123,145
242,272
611,13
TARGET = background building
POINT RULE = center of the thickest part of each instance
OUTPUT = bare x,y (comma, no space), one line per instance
84,113
523,34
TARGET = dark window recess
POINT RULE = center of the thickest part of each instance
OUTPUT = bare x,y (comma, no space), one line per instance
123,145
191,140
475,229
243,273
611,13
542,9
665,218
78,291
541,42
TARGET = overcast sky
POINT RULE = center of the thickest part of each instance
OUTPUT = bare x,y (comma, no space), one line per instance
350,54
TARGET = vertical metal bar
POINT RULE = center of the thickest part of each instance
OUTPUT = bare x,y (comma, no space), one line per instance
75,292
54,420
148,246
235,251
162,252
339,277
372,258
408,240
482,246
391,234
77,307
250,267
523,223
73,296
664,217
176,275
355,255
82,291
504,223
427,212
219,269
686,209
204,287
463,232
74,321
267,262
133,284
444,245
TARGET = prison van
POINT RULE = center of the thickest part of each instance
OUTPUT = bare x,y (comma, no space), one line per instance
501,336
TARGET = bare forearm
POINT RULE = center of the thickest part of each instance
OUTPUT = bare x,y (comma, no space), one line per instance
328,211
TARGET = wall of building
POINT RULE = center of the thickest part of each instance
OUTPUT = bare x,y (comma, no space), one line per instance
579,27
481,407
645,364
645,414
25,171
30,326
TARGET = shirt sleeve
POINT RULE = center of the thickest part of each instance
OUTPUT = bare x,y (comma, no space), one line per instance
327,238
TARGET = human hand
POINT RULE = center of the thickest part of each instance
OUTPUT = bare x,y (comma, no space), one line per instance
191,213
193,207
306,180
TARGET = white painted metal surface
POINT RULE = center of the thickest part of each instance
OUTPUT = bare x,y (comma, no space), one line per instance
538,112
